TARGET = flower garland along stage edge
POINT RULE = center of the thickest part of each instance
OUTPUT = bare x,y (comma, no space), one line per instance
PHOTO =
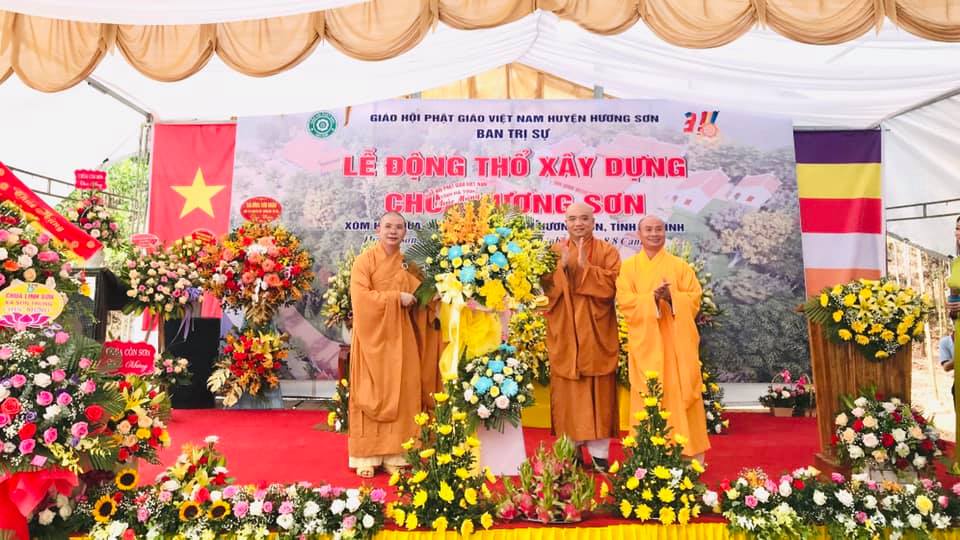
880,434
442,490
495,388
655,482
259,268
196,498
791,506
877,316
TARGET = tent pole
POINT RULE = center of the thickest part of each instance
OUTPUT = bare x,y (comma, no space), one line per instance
107,91
939,97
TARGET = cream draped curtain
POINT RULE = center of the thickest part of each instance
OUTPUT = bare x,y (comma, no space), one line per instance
51,54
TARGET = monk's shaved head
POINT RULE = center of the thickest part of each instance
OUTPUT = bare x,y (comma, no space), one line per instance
391,230
579,220
391,214
652,219
652,232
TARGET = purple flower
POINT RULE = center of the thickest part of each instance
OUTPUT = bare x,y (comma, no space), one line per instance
378,495
44,398
27,446
64,399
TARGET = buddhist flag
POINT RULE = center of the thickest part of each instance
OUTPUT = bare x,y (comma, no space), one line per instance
841,206
190,184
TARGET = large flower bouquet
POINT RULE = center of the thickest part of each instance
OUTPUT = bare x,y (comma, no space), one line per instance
29,254
553,488
162,283
91,215
338,419
762,507
249,362
260,267
885,435
528,334
495,388
482,253
442,491
877,316
170,371
53,404
655,482
194,498
140,430
337,309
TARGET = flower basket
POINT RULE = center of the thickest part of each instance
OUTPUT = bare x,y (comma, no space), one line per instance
782,412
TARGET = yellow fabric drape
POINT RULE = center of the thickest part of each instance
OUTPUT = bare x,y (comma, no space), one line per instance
51,55
466,330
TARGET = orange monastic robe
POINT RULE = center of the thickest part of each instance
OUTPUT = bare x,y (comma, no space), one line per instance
666,342
582,342
384,356
431,344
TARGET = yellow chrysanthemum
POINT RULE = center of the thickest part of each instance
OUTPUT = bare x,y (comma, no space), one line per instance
440,524
418,477
657,440
629,441
489,475
650,401
428,453
633,483
626,508
824,300
394,478
486,520
407,444
420,498
845,334
421,418
470,495
614,467
683,517
462,473
849,300
445,493
697,466
661,472
399,517
412,522
667,515
441,397
643,512
666,495
647,494
862,339
640,416
466,528
445,429
444,459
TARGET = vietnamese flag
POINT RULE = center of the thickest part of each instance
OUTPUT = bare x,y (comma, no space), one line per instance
190,183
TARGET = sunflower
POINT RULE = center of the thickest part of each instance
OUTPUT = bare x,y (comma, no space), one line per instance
189,511
126,479
105,508
219,510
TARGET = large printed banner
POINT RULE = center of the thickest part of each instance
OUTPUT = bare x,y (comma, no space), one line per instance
724,182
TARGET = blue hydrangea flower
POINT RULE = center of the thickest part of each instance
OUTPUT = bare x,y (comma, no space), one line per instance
491,239
495,366
509,349
468,274
499,259
454,252
504,231
509,388
482,385
512,247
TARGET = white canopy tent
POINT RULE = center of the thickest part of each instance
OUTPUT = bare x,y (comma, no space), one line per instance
857,84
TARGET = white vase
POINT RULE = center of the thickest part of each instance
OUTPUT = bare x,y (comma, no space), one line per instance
502,452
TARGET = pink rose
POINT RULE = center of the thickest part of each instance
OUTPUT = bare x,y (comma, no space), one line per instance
43,238
640,473
18,380
230,492
4,235
4,420
326,489
956,489
61,337
837,478
750,501
861,517
50,435
5,353
58,375
267,507
165,496
378,495
349,522
64,399
240,509
286,508
85,363
79,430
88,387
27,446
48,256
143,514
943,500
44,398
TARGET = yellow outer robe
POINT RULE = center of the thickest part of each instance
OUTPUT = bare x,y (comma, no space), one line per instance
385,362
668,344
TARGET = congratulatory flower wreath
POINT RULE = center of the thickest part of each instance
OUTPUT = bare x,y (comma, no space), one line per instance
877,316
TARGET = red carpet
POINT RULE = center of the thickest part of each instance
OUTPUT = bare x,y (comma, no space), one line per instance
284,446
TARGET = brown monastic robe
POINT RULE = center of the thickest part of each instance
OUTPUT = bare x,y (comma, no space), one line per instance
385,369
582,342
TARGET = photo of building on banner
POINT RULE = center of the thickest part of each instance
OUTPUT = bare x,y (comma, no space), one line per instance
724,182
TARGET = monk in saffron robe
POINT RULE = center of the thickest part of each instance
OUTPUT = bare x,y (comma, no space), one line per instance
659,296
582,338
430,343
385,369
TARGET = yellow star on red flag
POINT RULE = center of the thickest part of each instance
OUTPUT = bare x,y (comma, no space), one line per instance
198,195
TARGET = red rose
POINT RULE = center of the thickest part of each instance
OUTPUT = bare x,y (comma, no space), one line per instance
858,425
124,455
219,480
203,495
879,396
10,406
35,350
133,419
927,445
834,439
118,496
129,534
897,417
888,440
27,431
156,432
902,463
93,413
798,483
